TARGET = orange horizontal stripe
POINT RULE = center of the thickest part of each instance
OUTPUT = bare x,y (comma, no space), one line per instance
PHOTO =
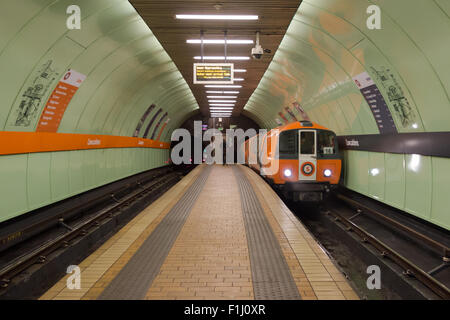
29,142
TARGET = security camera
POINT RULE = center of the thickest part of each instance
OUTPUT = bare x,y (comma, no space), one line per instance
258,51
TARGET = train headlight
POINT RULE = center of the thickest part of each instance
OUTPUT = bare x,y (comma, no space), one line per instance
287,173
327,173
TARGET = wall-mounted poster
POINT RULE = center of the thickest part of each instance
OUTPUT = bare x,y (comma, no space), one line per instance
59,100
289,112
301,111
376,102
283,117
28,106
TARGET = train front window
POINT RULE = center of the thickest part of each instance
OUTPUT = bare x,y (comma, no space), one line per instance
307,143
288,144
326,143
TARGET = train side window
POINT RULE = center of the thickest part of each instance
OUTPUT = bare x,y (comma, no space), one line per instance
288,141
307,143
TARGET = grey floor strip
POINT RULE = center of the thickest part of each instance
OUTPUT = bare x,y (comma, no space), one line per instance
272,279
134,280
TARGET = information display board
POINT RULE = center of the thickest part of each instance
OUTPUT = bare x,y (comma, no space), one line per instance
59,100
377,104
213,73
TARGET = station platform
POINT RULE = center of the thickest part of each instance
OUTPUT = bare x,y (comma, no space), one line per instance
220,233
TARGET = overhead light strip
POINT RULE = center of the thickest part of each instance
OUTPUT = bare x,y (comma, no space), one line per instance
222,86
222,58
224,92
216,17
226,101
218,41
221,97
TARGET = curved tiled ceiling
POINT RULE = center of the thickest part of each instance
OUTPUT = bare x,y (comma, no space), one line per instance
328,43
125,65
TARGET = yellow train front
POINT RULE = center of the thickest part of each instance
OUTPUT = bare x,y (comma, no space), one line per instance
308,163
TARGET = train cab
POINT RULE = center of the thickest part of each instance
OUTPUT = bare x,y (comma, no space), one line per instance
307,160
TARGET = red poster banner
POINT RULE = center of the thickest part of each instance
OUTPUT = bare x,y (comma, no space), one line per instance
59,100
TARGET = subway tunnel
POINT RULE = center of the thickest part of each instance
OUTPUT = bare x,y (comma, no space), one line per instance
97,99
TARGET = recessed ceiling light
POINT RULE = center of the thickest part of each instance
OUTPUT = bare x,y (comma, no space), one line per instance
221,104
224,92
213,101
218,41
221,97
238,79
240,70
216,17
222,58
220,108
222,86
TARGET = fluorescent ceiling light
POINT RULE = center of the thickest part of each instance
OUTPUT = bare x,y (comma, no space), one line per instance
222,86
216,17
221,97
221,104
240,70
213,101
220,108
220,116
224,92
238,79
222,58
218,41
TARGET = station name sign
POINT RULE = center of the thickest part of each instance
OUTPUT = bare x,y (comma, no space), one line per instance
213,73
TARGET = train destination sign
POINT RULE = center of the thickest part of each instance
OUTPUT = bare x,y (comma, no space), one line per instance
213,73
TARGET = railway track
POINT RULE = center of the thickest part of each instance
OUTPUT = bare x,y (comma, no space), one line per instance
410,268
81,225
414,259
421,251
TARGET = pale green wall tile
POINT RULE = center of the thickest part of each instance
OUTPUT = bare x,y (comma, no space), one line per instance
59,174
13,185
76,171
357,175
440,211
395,180
38,180
418,185
376,174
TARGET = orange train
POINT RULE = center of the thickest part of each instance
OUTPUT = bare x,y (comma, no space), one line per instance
309,163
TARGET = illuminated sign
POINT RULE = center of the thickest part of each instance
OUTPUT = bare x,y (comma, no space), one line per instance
213,73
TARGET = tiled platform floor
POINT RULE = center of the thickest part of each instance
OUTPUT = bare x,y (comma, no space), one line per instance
210,259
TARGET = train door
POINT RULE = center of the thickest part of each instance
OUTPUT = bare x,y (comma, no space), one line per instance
307,158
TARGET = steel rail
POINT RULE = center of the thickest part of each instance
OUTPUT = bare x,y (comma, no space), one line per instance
410,268
39,255
431,242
